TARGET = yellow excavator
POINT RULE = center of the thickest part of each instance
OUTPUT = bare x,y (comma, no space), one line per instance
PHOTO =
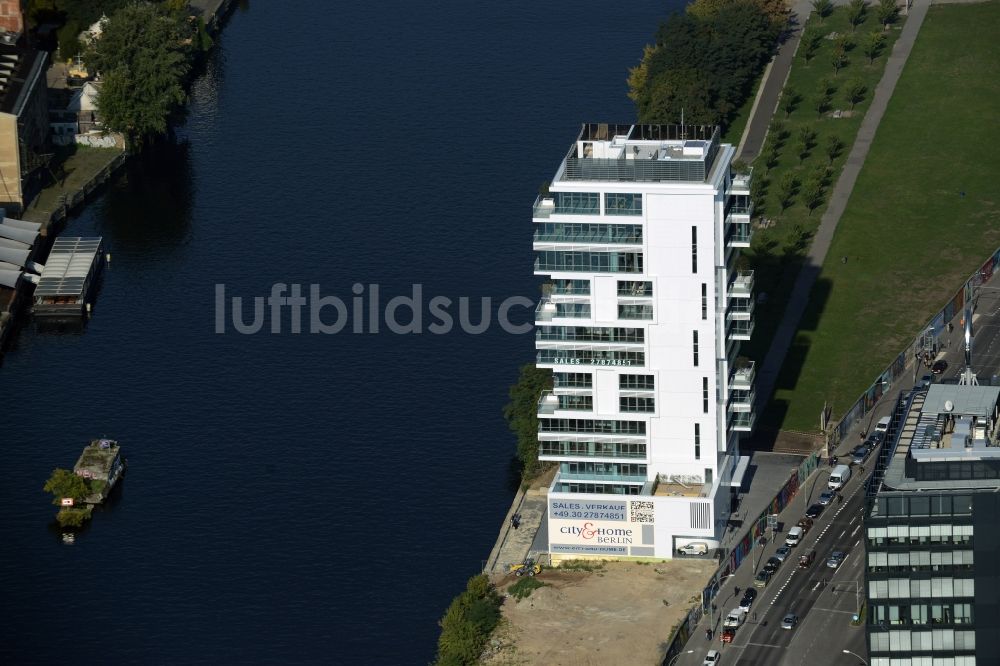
526,568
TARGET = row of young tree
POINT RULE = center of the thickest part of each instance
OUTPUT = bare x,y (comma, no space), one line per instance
705,60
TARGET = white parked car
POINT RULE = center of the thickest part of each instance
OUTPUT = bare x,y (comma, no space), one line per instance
712,658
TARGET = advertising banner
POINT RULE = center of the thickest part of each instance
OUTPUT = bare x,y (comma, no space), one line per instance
599,527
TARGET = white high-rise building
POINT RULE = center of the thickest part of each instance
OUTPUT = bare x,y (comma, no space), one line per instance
640,322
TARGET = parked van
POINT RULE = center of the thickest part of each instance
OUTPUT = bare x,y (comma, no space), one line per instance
838,477
693,548
883,424
794,536
735,618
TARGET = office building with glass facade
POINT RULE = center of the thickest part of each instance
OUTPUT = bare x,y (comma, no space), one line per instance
641,319
931,532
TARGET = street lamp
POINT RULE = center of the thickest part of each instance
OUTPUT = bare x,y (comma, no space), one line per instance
674,660
857,655
711,602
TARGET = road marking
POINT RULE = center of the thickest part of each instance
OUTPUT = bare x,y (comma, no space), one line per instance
856,543
832,610
856,531
780,647
852,520
842,533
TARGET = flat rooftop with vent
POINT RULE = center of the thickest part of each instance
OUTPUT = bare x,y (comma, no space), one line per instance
641,153
948,439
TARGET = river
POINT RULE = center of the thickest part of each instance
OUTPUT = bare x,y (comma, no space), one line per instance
296,497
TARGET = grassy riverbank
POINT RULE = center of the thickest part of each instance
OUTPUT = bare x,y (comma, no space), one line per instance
922,217
778,250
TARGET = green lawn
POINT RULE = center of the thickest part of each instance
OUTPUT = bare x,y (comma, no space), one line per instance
777,251
910,235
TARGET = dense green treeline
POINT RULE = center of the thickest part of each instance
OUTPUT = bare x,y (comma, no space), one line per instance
705,60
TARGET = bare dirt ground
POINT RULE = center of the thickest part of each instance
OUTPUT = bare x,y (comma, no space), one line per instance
622,613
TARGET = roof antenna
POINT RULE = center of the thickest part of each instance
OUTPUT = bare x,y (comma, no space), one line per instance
968,377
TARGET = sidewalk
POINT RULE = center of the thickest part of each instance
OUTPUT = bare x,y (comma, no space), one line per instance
767,375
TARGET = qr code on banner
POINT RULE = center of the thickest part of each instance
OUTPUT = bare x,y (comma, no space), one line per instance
642,512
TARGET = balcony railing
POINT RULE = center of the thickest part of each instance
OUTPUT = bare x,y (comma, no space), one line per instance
547,310
543,207
741,181
602,478
549,402
742,378
741,401
742,285
740,330
740,310
739,235
742,421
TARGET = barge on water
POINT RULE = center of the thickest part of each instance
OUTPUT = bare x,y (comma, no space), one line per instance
69,279
101,463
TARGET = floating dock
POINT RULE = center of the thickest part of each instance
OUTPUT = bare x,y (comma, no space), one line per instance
68,281
101,463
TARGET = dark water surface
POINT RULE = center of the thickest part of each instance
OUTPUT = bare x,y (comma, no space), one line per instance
302,498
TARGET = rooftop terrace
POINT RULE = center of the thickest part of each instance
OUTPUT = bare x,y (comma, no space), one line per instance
642,153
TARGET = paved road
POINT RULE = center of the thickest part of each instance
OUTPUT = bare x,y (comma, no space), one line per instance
768,372
816,594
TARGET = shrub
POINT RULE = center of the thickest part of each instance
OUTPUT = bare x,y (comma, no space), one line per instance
523,588
468,622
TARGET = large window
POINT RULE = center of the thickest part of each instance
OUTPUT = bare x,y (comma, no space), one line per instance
555,232
577,203
592,262
623,204
598,488
694,347
636,382
697,441
635,288
591,425
581,402
571,287
704,301
572,379
573,310
590,334
635,404
592,449
704,395
635,311
616,471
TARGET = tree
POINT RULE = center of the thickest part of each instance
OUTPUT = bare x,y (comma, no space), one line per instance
855,91
787,188
468,622
823,8
64,483
823,103
873,45
813,193
887,12
144,55
838,59
834,147
827,86
807,140
778,131
522,414
790,101
770,155
857,12
810,43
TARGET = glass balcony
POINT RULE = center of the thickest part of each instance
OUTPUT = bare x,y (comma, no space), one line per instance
739,213
741,182
742,285
740,330
741,400
742,421
590,357
635,289
548,310
543,207
739,235
553,450
549,402
742,378
740,309
602,477
603,234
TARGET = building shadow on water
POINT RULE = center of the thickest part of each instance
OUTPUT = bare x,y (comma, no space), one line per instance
150,208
